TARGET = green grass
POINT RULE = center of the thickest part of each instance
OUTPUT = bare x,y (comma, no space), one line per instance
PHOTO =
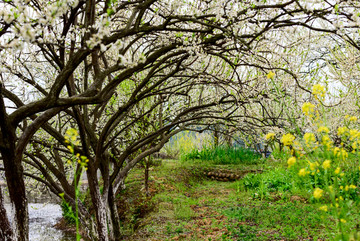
273,205
279,220
223,155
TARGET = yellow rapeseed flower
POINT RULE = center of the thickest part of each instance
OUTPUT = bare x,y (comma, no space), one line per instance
342,130
313,165
287,139
323,129
318,193
353,133
308,108
354,145
318,90
71,135
309,138
326,141
353,118
324,208
71,149
270,75
291,161
326,164
302,172
72,132
270,136
343,154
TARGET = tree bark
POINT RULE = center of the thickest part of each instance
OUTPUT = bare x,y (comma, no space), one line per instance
100,209
147,166
114,215
6,233
15,181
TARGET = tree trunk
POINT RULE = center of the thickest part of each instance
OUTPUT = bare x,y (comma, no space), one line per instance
15,182
6,233
114,215
100,209
147,165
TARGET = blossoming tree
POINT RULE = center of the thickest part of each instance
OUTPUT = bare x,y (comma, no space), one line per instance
81,59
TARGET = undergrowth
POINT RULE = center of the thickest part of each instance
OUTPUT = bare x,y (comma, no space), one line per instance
224,155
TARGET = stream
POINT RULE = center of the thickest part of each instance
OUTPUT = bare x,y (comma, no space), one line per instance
42,218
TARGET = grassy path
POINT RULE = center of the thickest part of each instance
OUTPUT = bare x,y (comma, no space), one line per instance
185,206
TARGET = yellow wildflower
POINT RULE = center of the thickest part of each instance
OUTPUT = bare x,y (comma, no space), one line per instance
342,220
71,135
71,149
270,75
353,133
352,186
346,188
270,136
287,139
354,145
309,138
324,208
337,170
291,161
353,118
318,193
308,108
71,132
342,130
313,165
326,164
326,141
343,154
302,172
342,174
318,90
323,129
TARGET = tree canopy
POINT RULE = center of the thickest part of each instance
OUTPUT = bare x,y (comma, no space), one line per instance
128,75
